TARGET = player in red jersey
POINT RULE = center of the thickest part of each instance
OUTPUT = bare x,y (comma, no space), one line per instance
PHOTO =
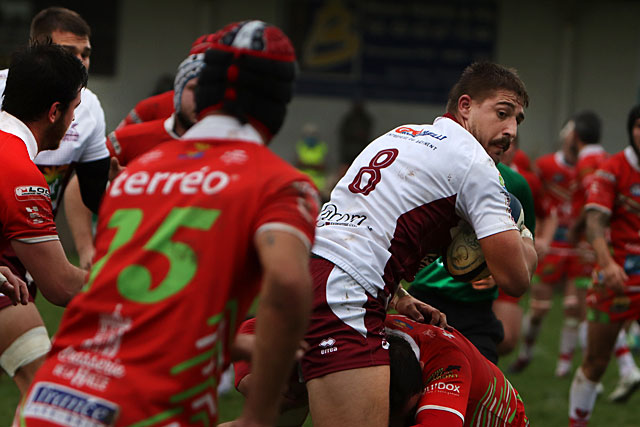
461,387
559,261
187,236
42,90
162,105
613,200
590,157
437,378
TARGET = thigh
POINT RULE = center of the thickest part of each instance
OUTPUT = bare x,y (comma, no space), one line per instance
355,397
510,314
15,321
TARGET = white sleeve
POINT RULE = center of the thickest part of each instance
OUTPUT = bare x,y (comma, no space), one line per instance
95,147
483,200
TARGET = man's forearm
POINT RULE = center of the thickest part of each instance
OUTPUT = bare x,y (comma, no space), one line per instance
79,218
281,322
596,225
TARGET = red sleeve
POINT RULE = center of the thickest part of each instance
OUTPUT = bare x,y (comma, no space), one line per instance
447,388
292,208
25,211
439,418
152,108
113,145
601,192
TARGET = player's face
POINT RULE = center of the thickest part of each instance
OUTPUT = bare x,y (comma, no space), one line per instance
56,130
569,143
188,102
79,46
635,134
494,122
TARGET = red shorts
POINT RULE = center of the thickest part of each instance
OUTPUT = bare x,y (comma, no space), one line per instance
606,307
562,263
346,330
18,269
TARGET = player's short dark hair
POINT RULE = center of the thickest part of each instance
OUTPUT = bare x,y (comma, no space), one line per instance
587,126
40,75
406,374
57,18
481,79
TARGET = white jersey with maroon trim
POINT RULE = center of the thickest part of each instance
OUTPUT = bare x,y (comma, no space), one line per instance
83,142
400,198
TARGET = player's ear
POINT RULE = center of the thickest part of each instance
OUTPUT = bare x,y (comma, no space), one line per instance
53,111
464,106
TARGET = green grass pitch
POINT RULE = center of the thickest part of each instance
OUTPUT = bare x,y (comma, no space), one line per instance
545,397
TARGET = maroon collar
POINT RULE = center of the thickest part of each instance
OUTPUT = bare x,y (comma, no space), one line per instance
452,117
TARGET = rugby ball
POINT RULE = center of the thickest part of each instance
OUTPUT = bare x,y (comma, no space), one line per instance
464,259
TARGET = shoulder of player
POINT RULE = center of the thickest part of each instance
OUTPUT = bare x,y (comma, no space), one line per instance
21,169
616,162
274,167
148,106
89,106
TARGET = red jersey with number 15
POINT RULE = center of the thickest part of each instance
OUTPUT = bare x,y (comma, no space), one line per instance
175,273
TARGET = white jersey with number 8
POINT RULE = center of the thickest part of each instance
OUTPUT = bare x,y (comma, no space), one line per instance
402,195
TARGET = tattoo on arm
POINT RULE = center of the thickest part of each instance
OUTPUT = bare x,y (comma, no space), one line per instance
271,239
597,222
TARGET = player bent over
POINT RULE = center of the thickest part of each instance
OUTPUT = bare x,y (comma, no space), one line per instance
394,206
187,236
458,386
438,378
614,199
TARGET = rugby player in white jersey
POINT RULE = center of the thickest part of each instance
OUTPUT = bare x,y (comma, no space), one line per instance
395,206
83,147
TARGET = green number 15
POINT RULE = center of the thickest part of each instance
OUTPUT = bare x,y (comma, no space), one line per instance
134,281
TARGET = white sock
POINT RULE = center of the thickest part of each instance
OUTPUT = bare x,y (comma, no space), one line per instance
626,364
568,337
582,397
582,334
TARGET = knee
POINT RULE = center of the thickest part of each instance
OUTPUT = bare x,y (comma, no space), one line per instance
26,349
571,306
595,365
508,344
539,308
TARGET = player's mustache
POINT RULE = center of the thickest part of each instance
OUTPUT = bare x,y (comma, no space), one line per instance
504,142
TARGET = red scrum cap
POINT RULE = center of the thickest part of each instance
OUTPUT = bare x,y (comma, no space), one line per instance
249,73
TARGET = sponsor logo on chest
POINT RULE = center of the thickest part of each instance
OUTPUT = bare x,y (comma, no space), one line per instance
70,407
